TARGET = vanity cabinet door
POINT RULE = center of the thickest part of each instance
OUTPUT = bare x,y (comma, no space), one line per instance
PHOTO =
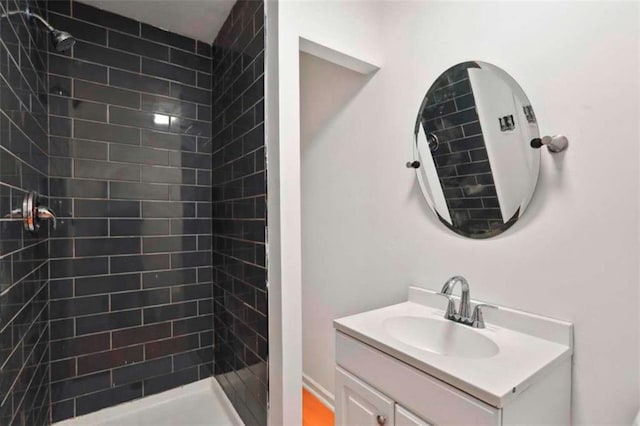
406,418
358,404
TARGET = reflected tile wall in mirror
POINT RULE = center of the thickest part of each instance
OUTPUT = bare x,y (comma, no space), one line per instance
461,158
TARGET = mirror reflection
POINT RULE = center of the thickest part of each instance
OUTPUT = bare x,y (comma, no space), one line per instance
477,169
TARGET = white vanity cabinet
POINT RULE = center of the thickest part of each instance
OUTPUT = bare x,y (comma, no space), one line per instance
373,388
370,383
382,381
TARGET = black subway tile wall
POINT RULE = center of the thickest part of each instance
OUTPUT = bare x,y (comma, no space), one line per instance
239,213
131,289
24,272
461,158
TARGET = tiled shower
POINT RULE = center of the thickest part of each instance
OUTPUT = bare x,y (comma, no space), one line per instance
149,146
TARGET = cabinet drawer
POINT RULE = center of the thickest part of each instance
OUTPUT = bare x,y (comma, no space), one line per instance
427,397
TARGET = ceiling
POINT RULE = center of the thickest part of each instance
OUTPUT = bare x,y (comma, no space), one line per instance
199,19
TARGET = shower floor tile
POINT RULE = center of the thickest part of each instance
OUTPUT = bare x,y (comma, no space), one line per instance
197,404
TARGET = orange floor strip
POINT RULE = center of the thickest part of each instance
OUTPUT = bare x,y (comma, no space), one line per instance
314,413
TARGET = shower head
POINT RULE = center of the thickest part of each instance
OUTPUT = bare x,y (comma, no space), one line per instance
62,40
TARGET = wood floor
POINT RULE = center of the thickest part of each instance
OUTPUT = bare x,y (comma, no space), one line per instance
314,413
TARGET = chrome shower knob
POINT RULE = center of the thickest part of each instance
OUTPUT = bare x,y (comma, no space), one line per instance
32,213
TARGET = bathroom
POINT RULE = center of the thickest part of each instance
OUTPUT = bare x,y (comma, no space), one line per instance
172,135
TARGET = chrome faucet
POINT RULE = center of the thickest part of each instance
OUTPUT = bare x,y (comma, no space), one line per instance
447,289
462,314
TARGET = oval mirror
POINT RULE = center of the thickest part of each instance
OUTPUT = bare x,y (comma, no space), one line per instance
473,135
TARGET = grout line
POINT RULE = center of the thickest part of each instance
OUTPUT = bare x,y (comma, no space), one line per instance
140,37
4,256
26,54
24,366
109,84
67,117
24,335
18,126
138,72
39,386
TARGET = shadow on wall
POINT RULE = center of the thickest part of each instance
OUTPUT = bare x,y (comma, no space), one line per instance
329,89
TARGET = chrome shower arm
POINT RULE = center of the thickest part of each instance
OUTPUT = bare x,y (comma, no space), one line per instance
41,19
61,40
30,15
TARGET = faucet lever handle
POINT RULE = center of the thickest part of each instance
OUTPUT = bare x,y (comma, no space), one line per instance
46,213
477,320
451,307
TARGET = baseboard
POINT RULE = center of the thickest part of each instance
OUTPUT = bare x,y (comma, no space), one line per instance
323,395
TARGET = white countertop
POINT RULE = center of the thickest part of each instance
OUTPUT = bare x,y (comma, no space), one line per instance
527,351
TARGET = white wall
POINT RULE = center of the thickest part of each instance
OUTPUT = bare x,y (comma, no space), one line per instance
573,255
637,419
346,27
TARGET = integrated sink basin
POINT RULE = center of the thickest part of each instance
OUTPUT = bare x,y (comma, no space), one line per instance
494,364
440,336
